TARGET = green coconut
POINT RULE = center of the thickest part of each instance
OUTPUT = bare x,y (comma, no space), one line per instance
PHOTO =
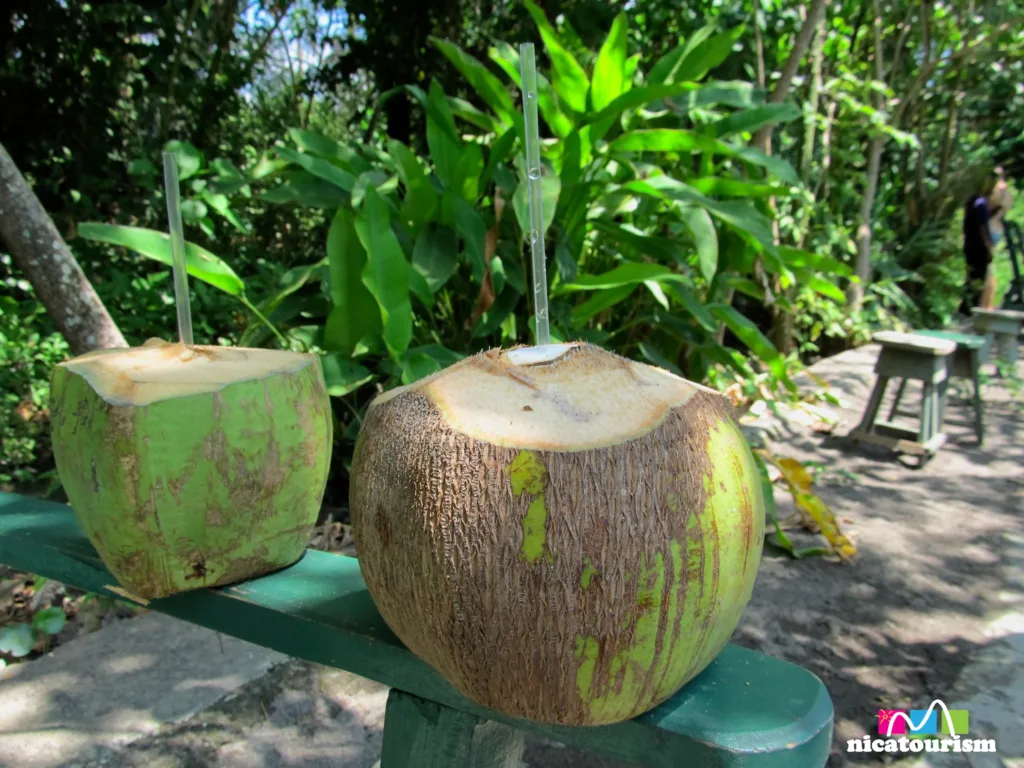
192,467
565,535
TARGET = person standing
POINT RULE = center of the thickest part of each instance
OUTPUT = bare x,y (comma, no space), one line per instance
1000,201
977,244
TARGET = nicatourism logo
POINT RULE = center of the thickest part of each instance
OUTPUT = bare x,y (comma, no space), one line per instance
936,729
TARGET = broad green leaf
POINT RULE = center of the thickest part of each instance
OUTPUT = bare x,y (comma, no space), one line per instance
694,306
423,361
776,166
499,311
433,256
188,158
794,258
731,93
744,285
745,330
316,144
386,273
421,198
420,288
601,301
222,205
201,264
227,170
705,238
487,86
376,179
192,211
463,109
507,57
267,167
292,280
660,248
445,147
409,168
639,97
707,55
550,189
342,375
500,151
825,288
306,189
657,292
468,170
570,81
469,224
610,68
667,140
654,356
354,314
320,168
142,166
714,186
664,70
49,621
755,118
740,214
17,640
627,273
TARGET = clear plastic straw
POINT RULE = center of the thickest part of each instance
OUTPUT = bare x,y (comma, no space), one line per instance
528,70
173,194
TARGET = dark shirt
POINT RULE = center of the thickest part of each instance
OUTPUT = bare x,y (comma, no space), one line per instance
976,215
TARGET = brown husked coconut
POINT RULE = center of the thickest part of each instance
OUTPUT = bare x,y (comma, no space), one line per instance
565,535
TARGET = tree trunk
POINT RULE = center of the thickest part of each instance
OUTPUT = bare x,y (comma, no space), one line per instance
855,291
950,132
813,99
50,267
803,38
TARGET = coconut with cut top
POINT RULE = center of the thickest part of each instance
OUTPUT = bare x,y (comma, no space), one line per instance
566,535
192,466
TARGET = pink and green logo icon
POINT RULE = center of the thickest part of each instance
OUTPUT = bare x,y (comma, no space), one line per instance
923,722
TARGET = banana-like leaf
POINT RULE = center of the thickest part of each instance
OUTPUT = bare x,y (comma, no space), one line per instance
386,273
745,330
609,80
353,315
200,263
487,86
342,375
507,57
570,80
755,118
320,168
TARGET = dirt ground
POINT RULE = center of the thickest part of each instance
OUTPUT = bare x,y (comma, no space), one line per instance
894,627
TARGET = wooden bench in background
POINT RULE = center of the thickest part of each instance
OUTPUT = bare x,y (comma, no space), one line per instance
908,356
746,709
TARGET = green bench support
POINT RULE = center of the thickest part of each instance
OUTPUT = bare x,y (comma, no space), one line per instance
745,709
964,363
908,356
1001,327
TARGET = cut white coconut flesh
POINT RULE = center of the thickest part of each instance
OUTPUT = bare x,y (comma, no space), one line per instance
160,370
557,397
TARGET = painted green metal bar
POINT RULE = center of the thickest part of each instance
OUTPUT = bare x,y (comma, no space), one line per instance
746,709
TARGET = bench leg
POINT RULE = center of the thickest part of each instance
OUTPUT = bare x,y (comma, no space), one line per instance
927,413
899,396
867,424
424,734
